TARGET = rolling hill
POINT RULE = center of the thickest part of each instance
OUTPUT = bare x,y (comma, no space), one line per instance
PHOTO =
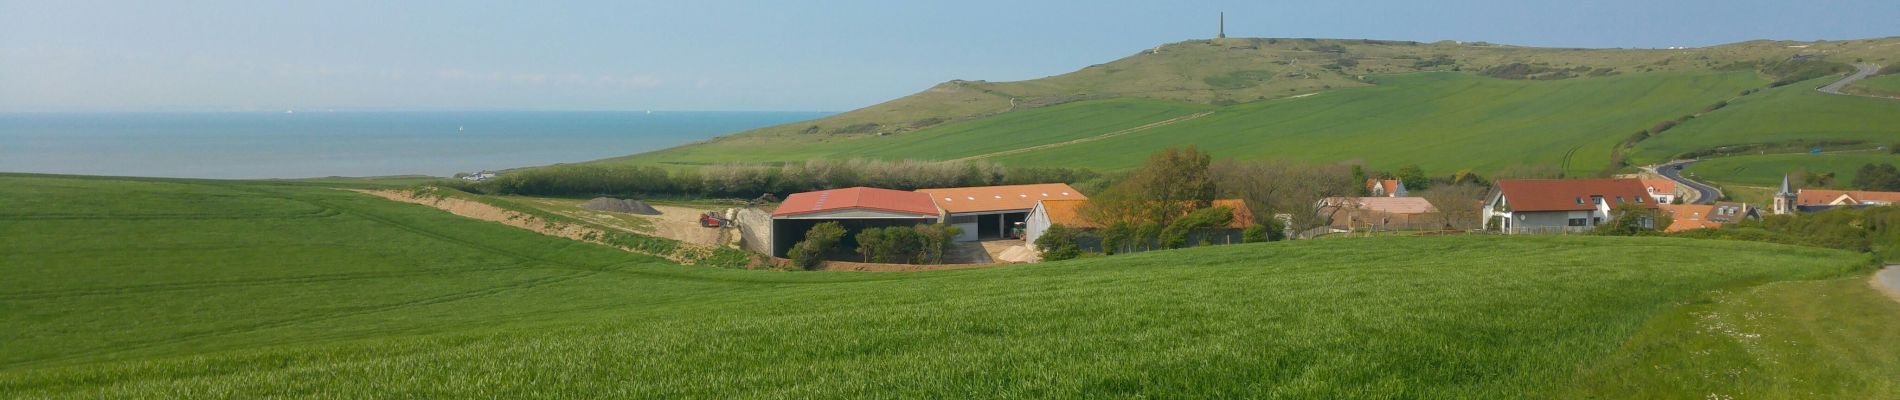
1445,106
121,288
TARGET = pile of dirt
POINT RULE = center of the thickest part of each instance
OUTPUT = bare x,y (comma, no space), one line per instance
627,206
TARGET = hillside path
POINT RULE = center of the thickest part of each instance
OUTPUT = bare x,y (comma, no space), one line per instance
1704,194
1888,281
1170,121
1865,70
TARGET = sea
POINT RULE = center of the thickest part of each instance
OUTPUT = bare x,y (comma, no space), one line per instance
308,144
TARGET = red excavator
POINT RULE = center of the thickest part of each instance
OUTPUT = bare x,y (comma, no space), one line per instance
711,219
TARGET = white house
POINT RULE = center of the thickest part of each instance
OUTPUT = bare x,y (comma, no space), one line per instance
1559,205
1663,190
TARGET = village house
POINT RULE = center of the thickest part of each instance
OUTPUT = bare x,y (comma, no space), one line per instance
1663,190
1789,201
1701,216
1385,188
1519,206
1068,213
1354,214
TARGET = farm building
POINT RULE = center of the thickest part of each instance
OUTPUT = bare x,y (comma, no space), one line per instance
1559,205
856,208
1068,214
989,212
1351,214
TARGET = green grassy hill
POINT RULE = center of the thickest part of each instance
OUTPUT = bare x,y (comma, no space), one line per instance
1446,106
1789,113
1766,170
204,289
1883,85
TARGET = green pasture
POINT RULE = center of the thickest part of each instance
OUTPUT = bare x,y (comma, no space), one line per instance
1767,169
1785,114
124,288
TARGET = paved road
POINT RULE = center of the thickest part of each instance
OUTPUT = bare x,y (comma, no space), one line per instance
1705,194
1891,278
1865,71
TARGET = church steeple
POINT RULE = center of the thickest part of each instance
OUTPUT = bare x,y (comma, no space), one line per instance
1785,199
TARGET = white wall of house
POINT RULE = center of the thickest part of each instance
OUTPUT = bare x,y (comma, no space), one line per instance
1543,221
1035,224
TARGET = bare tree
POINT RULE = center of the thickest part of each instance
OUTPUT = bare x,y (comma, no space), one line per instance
1459,206
1284,187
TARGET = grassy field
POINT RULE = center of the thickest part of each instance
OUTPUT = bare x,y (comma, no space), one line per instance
1442,121
1887,85
1792,112
1767,169
193,289
1009,131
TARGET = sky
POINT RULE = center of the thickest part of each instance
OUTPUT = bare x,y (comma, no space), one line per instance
78,55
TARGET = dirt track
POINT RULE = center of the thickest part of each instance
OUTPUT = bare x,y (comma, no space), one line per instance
1888,281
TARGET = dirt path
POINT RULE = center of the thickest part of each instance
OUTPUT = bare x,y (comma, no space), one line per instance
1865,70
682,224
1170,121
1888,281
686,253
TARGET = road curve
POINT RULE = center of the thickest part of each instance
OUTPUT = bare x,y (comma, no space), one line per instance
1705,194
1864,70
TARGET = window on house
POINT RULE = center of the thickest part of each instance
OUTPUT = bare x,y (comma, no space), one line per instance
1578,221
1596,221
1579,200
1596,199
1639,200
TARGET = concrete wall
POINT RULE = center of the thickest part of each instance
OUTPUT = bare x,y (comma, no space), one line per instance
755,230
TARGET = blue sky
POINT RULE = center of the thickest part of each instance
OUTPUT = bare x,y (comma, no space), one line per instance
724,55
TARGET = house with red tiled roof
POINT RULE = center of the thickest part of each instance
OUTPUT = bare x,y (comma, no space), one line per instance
1700,216
1559,205
1385,188
1789,200
1663,190
855,208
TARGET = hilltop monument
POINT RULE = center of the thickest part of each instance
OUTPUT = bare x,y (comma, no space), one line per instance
1223,26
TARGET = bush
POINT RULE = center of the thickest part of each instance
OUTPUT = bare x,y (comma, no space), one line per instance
1256,234
820,240
1058,243
1631,219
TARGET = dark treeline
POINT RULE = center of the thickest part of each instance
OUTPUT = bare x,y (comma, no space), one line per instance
753,180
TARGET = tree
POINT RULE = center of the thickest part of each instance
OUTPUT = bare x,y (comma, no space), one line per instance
1630,219
1058,243
871,245
933,241
1175,235
1293,189
1117,237
1169,185
820,240
1881,177
1459,206
1413,177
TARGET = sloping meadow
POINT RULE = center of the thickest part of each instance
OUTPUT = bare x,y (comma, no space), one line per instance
342,295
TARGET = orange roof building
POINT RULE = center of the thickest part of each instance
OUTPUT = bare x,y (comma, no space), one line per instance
995,212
